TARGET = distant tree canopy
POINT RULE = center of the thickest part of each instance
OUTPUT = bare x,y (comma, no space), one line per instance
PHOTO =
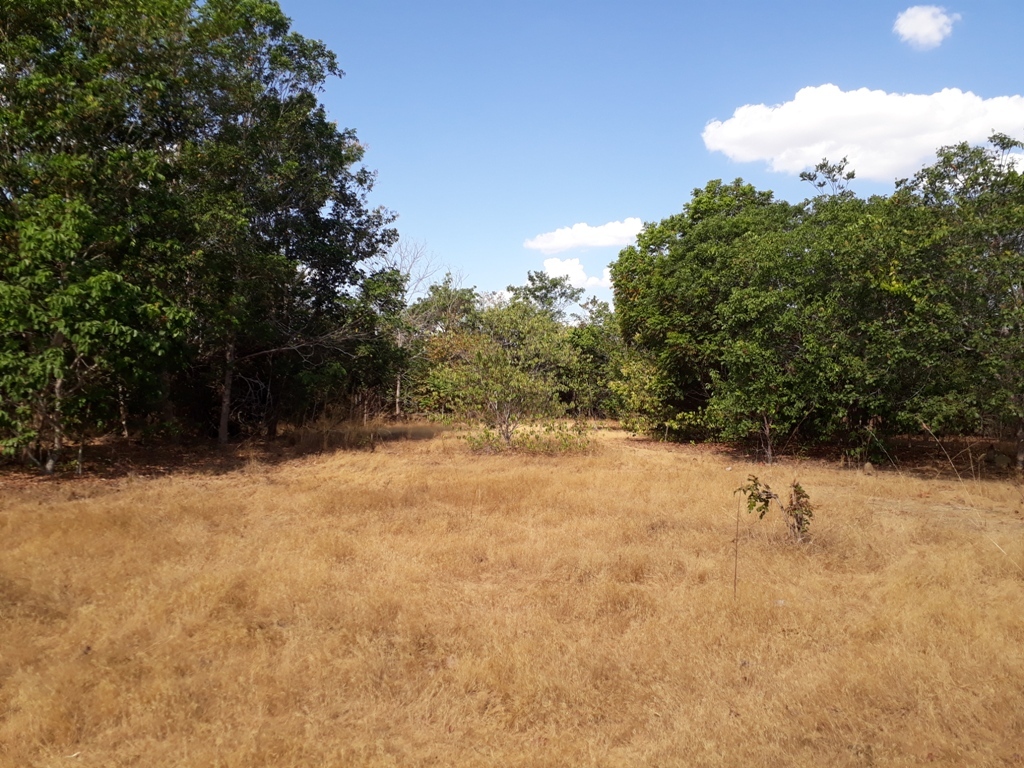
839,318
507,362
177,214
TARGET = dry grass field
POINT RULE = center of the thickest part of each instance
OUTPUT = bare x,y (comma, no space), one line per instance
421,606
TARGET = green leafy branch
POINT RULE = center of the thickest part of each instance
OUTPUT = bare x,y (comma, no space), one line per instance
798,511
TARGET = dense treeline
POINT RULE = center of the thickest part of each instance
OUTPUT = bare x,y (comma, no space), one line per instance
186,247
183,231
839,319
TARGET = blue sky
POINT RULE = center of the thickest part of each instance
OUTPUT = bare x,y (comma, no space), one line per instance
494,124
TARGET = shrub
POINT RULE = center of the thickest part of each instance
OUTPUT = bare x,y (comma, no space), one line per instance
798,512
550,438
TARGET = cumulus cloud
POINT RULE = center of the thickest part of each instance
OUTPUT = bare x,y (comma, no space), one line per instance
884,135
925,26
572,269
614,233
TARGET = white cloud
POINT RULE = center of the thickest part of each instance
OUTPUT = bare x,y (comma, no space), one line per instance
924,26
614,233
572,269
884,135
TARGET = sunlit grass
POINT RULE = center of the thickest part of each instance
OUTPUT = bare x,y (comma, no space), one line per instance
421,605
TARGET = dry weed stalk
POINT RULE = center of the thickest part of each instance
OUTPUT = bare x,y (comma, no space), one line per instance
970,499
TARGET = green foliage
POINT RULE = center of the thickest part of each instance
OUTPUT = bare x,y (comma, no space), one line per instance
643,392
839,319
547,294
445,308
831,176
84,167
507,363
798,511
501,365
547,438
510,372
176,210
598,354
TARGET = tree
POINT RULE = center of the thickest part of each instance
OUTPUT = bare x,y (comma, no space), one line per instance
446,307
90,114
839,318
502,365
968,208
172,193
672,288
513,368
548,294
285,277
643,394
597,344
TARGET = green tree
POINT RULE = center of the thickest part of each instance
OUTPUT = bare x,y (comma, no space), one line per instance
840,318
963,219
597,343
643,394
513,373
671,290
172,194
501,365
433,330
90,109
285,278
548,294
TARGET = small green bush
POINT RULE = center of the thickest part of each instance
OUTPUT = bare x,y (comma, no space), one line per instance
549,438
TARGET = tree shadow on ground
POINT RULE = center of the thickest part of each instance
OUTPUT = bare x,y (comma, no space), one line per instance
112,458
972,458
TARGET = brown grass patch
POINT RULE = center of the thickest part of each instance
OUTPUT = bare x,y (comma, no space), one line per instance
418,606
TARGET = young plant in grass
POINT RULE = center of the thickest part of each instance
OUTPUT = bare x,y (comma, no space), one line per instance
798,511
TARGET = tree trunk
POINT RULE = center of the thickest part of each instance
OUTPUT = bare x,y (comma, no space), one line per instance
225,398
53,456
398,395
166,405
122,408
34,451
1020,445
766,433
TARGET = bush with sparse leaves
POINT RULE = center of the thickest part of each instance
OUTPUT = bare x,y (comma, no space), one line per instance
798,511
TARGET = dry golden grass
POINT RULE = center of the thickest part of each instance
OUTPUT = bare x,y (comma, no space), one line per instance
419,605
